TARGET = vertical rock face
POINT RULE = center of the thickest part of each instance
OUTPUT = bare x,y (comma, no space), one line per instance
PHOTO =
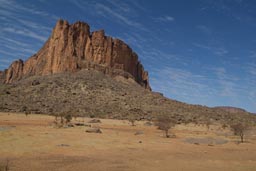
72,47
15,71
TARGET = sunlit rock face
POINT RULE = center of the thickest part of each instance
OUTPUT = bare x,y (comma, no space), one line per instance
72,47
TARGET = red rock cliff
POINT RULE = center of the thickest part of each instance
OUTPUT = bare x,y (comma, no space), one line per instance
72,47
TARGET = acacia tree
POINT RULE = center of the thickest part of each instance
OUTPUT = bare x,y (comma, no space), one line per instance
208,123
239,130
5,166
68,118
134,115
132,120
165,123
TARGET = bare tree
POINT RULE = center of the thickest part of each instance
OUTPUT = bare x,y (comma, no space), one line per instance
68,118
61,119
26,113
239,130
56,117
165,123
134,115
6,166
224,126
75,116
208,123
132,120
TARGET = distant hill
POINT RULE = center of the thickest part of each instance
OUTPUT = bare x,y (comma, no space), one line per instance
93,93
230,109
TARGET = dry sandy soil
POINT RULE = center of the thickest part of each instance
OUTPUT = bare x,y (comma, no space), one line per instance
33,143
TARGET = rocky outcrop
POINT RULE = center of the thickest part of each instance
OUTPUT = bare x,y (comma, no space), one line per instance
1,74
72,47
14,72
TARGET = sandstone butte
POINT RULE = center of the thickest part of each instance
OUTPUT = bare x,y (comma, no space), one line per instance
72,47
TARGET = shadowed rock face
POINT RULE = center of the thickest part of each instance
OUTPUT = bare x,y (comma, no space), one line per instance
71,48
1,75
14,72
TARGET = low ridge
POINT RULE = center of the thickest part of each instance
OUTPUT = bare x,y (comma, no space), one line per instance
93,93
230,109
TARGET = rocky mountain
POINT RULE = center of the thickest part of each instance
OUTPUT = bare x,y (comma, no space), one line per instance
230,109
72,47
90,74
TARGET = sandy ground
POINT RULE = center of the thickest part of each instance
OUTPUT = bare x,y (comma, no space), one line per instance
33,144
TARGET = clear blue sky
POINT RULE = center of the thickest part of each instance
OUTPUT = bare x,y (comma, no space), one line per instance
196,51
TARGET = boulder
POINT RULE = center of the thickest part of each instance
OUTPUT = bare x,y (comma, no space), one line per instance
139,133
93,130
94,121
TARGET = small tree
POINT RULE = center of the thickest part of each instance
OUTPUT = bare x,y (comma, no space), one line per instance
132,120
239,130
26,113
135,113
61,119
165,123
208,123
68,118
224,126
75,116
5,167
56,117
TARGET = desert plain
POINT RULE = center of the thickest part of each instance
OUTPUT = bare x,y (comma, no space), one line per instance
33,143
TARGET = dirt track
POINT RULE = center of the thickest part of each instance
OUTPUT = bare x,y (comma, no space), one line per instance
32,143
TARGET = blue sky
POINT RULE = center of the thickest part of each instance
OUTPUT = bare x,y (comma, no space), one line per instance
198,51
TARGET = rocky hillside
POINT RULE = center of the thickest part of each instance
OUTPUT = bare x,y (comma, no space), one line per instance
92,93
71,48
